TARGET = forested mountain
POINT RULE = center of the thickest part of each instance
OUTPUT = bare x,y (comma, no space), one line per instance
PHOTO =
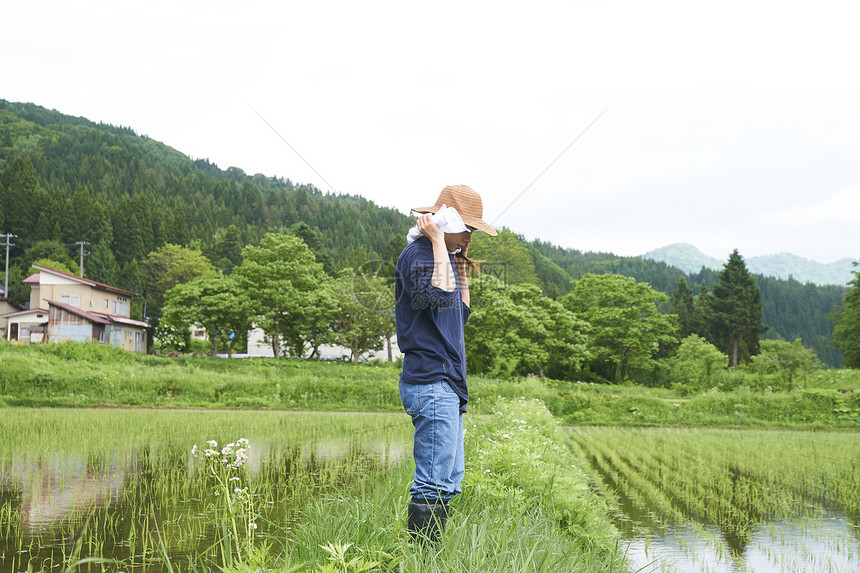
782,266
67,180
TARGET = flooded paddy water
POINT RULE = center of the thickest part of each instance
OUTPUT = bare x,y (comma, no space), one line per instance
124,484
711,500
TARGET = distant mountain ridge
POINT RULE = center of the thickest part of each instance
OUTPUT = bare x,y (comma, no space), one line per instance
782,265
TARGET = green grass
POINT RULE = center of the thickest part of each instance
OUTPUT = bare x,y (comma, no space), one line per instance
77,375
532,511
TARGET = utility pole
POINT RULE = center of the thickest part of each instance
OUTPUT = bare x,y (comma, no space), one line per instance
6,279
82,243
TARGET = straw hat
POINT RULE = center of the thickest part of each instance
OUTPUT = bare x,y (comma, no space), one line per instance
468,204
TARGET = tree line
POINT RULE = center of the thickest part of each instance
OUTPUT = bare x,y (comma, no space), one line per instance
126,196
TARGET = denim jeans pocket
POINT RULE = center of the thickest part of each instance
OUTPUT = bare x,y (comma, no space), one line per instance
447,387
410,396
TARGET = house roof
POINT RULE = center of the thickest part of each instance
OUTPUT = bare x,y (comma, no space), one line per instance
92,317
27,311
29,280
123,320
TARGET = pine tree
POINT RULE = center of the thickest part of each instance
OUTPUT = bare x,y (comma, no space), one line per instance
19,193
736,311
682,305
846,335
702,314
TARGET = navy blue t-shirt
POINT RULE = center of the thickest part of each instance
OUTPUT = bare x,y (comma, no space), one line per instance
429,322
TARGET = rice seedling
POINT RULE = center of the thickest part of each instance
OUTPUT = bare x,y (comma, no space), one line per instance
781,499
125,484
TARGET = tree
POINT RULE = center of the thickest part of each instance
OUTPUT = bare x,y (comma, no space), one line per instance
506,257
682,305
627,328
311,237
56,265
218,304
846,332
318,327
226,251
789,358
168,266
700,322
19,198
518,330
736,311
47,253
282,278
696,361
365,312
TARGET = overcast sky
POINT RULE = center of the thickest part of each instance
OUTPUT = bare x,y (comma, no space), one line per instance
727,125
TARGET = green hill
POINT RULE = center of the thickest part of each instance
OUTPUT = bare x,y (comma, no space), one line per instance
683,256
782,266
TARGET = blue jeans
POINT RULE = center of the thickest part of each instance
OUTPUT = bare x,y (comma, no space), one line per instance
438,439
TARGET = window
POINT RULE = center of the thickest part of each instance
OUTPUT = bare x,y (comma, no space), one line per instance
120,306
107,303
101,336
72,300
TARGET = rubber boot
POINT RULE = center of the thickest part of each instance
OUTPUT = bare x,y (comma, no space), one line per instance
426,520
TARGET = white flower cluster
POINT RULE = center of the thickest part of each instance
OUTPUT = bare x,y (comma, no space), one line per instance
234,454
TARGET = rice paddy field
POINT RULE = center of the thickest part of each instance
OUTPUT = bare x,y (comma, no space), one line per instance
697,500
166,490
128,490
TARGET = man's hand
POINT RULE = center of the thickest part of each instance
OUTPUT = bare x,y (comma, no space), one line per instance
430,229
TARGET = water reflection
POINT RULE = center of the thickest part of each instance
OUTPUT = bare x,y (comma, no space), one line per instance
124,492
774,546
53,486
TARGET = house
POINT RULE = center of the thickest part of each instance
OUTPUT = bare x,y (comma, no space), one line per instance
64,306
259,346
6,307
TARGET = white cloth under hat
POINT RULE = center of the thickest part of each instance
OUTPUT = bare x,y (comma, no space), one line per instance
449,221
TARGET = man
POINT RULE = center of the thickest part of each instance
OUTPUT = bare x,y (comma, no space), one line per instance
432,305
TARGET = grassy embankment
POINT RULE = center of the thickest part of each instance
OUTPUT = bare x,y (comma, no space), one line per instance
77,375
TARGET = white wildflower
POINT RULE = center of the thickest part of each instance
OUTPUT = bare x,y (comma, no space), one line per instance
194,450
242,442
235,478
212,444
506,436
252,525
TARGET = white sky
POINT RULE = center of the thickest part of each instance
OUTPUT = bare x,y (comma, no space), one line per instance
729,124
